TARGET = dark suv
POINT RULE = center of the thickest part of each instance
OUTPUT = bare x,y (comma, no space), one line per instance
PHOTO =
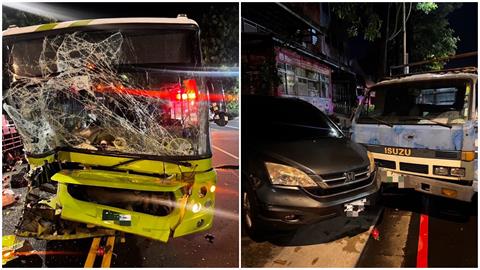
298,167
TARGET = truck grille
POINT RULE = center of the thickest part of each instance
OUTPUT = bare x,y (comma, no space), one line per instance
385,163
418,168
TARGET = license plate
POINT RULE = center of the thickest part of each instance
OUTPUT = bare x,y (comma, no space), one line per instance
393,177
117,218
353,209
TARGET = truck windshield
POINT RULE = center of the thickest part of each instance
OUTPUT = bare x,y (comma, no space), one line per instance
429,103
109,91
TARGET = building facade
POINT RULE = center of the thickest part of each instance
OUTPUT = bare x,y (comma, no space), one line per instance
289,49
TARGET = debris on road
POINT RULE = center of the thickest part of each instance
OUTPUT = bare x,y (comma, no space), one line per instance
376,234
8,198
209,237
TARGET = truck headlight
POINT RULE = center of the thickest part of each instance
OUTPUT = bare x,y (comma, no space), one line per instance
288,176
460,172
441,170
449,171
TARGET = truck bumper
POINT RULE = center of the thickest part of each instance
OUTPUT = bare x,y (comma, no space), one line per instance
431,186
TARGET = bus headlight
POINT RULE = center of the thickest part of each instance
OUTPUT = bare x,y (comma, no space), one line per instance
460,172
196,207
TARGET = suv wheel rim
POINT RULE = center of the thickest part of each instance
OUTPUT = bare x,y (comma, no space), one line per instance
246,207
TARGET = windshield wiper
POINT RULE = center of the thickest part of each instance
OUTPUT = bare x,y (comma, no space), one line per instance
433,121
380,121
176,162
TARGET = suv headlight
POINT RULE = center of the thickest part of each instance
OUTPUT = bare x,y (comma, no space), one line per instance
288,176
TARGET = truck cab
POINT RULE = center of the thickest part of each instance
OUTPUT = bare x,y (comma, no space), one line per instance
421,131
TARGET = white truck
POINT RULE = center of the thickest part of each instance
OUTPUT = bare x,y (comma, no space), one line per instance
421,131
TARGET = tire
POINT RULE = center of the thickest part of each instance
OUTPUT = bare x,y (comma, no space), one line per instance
221,121
249,217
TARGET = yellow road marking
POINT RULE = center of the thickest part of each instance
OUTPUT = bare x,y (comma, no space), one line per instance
107,258
92,253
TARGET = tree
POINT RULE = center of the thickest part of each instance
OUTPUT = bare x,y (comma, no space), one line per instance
432,36
220,41
19,18
429,32
220,35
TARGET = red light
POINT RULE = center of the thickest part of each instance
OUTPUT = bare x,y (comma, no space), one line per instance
179,96
191,89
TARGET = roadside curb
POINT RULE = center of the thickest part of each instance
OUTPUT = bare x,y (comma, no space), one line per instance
369,234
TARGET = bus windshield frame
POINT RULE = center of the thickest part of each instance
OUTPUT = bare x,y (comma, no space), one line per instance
122,89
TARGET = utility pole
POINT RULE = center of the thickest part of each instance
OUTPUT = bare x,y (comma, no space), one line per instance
405,55
385,50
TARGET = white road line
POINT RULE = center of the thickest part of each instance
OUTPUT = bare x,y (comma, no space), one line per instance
225,152
232,127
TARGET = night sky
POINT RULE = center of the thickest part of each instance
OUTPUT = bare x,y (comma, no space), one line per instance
462,20
77,11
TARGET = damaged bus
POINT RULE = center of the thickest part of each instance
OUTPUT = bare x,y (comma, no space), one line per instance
114,120
421,131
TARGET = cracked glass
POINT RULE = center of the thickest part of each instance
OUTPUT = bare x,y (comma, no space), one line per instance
123,91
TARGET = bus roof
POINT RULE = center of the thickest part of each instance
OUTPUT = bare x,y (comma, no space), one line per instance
428,77
181,19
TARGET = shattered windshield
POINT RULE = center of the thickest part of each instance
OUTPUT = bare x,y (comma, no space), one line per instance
431,103
111,91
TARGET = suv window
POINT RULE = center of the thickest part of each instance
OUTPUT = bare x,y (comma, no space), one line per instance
286,118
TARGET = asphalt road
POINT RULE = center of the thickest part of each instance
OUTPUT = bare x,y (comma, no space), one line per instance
189,251
194,250
405,229
421,230
337,242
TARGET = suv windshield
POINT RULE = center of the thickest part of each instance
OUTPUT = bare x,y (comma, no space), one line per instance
432,103
282,119
109,91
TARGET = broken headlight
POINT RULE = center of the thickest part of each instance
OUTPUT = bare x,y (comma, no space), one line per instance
288,176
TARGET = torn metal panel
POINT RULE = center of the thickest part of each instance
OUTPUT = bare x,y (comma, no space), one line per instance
429,77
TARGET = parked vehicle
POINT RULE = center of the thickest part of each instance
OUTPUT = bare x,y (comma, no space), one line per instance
218,112
115,127
298,167
421,130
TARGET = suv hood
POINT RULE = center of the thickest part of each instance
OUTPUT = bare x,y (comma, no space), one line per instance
322,156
